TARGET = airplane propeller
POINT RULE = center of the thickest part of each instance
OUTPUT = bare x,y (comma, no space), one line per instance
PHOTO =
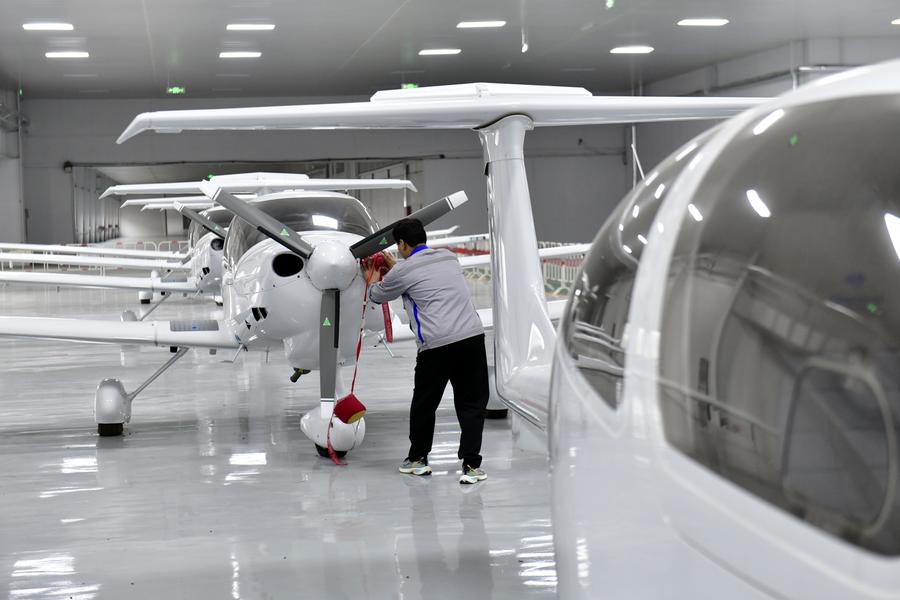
204,222
330,311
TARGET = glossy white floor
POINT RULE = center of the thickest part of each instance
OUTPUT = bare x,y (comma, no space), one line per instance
214,492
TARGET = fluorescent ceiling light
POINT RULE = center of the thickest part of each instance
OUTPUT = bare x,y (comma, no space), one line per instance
635,212
768,121
439,51
695,213
685,152
479,24
893,227
67,54
703,22
48,26
642,239
626,248
895,22
758,205
632,50
250,27
660,191
240,54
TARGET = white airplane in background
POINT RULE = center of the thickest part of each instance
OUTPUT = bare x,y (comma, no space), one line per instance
722,421
203,263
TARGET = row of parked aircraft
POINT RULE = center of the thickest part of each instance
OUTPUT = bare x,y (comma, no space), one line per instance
721,398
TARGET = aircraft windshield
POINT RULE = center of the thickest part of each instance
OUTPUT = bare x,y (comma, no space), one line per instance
780,332
326,213
219,216
597,312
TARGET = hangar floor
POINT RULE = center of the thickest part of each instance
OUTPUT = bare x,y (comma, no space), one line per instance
214,492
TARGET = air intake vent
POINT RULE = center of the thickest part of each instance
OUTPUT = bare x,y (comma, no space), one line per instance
287,265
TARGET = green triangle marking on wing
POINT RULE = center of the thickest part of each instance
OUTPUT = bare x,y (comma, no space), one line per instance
383,242
284,232
326,322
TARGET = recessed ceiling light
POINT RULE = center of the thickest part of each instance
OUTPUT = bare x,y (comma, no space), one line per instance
67,54
240,54
439,51
703,22
48,26
250,26
479,24
895,22
632,50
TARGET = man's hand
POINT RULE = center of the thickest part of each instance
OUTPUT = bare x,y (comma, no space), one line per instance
389,260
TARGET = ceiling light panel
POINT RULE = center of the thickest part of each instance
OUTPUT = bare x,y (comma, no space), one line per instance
48,26
241,54
439,51
480,24
703,22
632,50
67,54
250,26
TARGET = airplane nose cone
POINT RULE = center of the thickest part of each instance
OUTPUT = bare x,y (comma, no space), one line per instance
332,266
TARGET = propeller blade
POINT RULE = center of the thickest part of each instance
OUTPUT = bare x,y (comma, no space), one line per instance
201,220
329,336
263,222
384,237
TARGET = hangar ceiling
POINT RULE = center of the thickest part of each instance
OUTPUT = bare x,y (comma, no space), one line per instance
139,47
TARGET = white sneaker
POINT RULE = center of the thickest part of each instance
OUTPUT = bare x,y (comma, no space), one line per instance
415,467
472,475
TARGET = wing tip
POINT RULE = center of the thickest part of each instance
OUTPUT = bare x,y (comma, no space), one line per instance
457,199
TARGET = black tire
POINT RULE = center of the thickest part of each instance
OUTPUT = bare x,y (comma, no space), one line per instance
145,301
110,429
323,452
496,413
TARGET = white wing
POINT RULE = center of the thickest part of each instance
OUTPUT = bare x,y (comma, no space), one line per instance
151,284
93,261
481,260
272,185
456,241
92,251
402,332
199,334
436,233
466,106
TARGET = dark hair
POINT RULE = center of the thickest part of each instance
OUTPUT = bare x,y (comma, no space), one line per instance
410,231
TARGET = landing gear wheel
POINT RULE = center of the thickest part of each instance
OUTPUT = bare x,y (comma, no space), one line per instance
323,452
110,429
496,413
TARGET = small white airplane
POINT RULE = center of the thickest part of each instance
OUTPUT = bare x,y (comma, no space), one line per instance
723,416
203,263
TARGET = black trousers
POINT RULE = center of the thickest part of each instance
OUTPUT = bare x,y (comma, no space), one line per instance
464,365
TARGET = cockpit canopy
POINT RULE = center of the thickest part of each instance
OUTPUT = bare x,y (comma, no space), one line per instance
318,211
217,215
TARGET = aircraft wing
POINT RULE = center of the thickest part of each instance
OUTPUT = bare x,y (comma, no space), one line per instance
272,185
464,106
92,251
151,284
481,260
402,332
195,334
436,233
93,261
455,241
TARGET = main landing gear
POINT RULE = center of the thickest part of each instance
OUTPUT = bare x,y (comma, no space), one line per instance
112,404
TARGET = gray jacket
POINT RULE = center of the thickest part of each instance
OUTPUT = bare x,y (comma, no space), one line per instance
435,296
